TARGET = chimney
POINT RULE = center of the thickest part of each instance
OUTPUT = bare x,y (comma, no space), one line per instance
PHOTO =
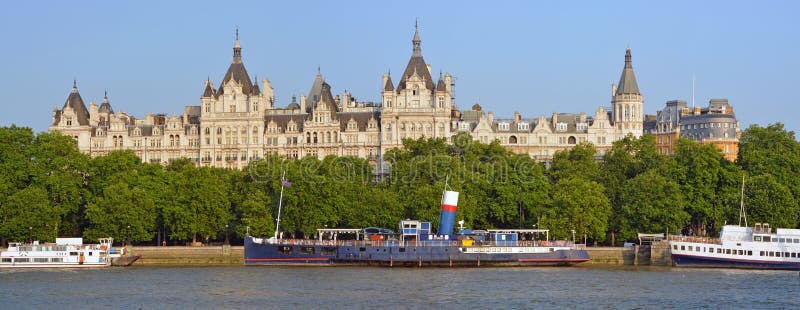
491,117
554,119
517,116
302,103
583,117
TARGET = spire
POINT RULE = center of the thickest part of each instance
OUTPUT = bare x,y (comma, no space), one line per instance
416,42
105,107
440,85
389,86
627,81
74,86
237,49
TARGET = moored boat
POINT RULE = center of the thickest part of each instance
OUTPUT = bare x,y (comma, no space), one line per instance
415,244
64,253
740,247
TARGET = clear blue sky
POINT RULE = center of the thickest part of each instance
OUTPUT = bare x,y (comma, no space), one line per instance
535,57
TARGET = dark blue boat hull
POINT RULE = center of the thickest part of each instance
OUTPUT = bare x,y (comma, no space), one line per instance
713,262
394,255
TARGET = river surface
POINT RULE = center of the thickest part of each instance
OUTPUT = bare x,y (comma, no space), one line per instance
239,287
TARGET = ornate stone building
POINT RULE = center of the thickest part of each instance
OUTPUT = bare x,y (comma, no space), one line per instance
541,137
240,121
715,124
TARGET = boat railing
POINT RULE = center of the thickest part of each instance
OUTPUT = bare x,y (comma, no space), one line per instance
426,243
695,239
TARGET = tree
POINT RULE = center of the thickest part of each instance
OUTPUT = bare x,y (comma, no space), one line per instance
122,211
26,213
772,150
650,203
578,204
767,201
699,170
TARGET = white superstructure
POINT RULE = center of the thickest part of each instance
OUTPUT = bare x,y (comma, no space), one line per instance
737,246
64,253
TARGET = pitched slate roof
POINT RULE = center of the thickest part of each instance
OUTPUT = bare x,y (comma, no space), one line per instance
361,119
627,81
106,106
389,85
416,65
75,102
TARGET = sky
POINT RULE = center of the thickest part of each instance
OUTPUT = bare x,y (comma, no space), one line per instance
533,57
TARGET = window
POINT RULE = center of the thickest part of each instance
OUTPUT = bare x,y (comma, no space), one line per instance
503,126
561,127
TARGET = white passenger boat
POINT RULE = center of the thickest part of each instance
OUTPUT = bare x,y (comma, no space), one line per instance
64,253
740,247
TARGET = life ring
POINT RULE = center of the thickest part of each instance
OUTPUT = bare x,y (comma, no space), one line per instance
103,247
455,243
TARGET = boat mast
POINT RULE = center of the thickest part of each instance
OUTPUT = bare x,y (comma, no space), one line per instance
280,204
742,214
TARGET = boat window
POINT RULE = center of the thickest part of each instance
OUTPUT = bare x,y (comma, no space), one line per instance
710,250
6,259
674,246
761,253
90,253
362,249
771,254
309,250
781,240
794,254
22,260
40,259
741,252
698,249
765,239
683,248
73,253
56,259
756,238
727,251
691,248
328,251
719,251
402,250
750,253
285,250
785,254
796,240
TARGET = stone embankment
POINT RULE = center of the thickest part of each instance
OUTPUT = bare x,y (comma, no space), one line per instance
657,254
189,255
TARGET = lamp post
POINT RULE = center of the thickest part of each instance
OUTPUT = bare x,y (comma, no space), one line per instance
30,234
128,237
226,235
573,236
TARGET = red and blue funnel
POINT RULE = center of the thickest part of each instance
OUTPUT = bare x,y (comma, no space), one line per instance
448,216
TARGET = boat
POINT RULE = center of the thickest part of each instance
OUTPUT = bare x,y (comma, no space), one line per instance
64,253
415,244
739,246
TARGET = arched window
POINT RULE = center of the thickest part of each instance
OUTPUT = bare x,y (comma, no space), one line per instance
571,140
512,140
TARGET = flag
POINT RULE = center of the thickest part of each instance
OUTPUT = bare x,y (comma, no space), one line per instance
286,183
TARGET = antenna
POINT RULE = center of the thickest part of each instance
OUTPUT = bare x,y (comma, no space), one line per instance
692,90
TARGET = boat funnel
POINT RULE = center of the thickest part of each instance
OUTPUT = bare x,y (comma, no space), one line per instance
448,216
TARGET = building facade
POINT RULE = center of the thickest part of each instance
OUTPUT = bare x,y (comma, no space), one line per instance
239,120
715,124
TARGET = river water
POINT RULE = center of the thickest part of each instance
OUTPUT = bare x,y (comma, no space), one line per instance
239,287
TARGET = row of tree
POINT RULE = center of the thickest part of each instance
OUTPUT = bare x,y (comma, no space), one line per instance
48,189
